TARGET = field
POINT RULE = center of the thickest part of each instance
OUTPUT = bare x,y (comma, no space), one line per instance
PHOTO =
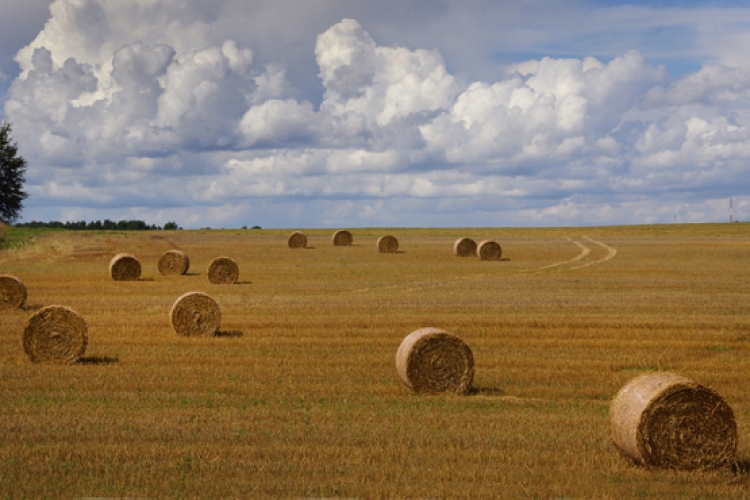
298,396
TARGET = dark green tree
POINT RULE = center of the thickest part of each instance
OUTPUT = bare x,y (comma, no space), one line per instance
12,177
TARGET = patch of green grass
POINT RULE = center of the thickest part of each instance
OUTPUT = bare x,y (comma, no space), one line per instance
19,238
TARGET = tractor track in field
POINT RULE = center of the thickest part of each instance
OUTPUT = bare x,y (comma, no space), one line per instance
585,251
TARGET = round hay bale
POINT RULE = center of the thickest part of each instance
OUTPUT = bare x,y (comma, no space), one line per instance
465,247
125,267
342,238
297,240
55,334
195,314
431,360
223,271
387,244
173,262
12,292
489,250
667,421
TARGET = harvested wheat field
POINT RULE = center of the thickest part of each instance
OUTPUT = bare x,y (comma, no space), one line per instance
297,395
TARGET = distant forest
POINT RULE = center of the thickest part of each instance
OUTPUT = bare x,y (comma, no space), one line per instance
106,224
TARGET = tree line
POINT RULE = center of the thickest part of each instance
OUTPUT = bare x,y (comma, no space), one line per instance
98,225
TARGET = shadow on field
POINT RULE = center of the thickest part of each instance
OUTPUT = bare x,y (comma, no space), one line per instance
191,274
243,282
228,333
98,360
487,391
146,279
32,307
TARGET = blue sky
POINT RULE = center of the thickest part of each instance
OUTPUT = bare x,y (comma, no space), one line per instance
332,113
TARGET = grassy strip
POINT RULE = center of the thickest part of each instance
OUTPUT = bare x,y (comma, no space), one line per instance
18,238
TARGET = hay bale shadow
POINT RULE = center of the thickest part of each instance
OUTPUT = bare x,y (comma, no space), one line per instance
309,248
98,360
145,279
504,259
741,467
31,307
243,282
486,391
228,333
192,274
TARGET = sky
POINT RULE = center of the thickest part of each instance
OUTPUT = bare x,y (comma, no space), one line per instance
416,113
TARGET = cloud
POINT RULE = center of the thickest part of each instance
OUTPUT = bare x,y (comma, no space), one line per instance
158,108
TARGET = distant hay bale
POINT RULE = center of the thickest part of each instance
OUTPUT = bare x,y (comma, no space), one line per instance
342,238
465,247
223,271
125,267
12,292
387,244
297,240
489,250
667,421
55,334
431,360
173,262
195,314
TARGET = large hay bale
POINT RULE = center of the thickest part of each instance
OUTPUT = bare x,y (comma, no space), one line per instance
387,244
465,247
431,360
195,314
667,421
12,292
297,240
342,238
55,334
173,262
489,250
125,267
223,271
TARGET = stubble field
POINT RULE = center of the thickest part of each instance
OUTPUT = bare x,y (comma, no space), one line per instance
298,396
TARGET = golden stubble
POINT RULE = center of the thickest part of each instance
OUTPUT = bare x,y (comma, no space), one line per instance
298,396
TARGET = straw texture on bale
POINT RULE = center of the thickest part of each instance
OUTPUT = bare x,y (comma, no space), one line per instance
387,244
223,271
195,314
173,262
297,240
342,238
431,360
12,292
666,421
55,334
465,247
125,267
489,250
